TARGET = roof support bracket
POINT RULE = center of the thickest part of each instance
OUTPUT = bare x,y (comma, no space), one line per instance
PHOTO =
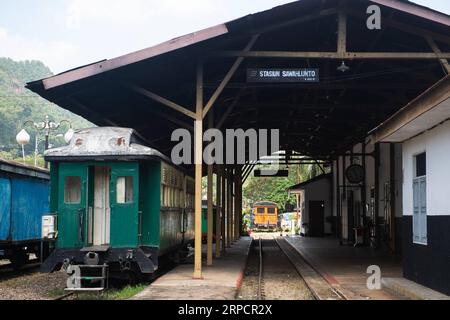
342,33
228,76
438,51
163,101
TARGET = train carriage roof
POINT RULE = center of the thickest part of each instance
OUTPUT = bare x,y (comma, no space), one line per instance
265,204
111,143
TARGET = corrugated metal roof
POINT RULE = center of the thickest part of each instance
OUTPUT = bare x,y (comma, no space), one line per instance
327,176
23,169
102,94
211,33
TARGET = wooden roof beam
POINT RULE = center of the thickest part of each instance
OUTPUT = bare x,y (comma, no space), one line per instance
228,77
437,51
163,101
335,55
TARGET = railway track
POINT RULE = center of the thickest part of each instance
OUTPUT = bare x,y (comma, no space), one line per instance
274,248
8,272
317,284
261,293
64,296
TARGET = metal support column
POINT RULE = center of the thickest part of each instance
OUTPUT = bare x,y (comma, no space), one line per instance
377,194
229,206
224,207
209,254
209,240
218,209
238,203
393,197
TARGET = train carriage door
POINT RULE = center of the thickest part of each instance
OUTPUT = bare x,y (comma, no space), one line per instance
72,205
100,214
124,198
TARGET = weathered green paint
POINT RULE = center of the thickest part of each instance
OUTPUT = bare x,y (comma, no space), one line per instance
150,203
71,216
124,217
205,220
143,222
54,187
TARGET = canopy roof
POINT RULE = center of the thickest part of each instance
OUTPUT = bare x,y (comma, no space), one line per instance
424,113
302,185
320,120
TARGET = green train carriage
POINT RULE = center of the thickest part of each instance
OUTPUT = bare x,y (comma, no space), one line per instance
117,203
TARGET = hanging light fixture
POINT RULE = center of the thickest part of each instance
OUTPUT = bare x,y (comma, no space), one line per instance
69,135
343,67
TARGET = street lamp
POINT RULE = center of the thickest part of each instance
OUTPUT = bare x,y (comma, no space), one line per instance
46,126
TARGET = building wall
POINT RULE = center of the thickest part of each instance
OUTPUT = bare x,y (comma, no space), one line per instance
318,191
428,264
384,177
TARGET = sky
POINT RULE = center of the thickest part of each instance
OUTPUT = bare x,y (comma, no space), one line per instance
65,34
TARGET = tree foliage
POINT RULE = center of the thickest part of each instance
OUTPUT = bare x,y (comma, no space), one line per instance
18,104
275,189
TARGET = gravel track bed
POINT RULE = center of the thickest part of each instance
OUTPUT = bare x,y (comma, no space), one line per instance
30,284
281,280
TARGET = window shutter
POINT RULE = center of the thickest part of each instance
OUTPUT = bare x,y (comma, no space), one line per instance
423,211
416,212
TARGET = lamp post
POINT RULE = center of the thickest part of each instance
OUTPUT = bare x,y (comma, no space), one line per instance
47,127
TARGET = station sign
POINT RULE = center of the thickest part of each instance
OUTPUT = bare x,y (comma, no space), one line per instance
283,75
271,173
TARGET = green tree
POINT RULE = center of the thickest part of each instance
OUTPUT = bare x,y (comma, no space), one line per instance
18,104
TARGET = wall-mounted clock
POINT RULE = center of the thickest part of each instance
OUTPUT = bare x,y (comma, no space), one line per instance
355,173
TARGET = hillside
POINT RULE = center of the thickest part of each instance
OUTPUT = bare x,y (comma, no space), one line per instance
18,104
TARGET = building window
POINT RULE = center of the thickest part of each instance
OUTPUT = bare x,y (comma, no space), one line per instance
124,189
72,190
420,233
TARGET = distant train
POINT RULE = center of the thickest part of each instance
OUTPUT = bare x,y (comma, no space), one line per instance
24,199
205,221
117,204
265,215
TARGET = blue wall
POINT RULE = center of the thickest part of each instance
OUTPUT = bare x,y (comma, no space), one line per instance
5,208
20,218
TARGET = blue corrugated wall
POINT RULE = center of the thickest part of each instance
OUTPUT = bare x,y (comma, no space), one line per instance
5,209
30,201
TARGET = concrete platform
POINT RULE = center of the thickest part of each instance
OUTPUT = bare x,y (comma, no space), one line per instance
412,290
345,267
220,282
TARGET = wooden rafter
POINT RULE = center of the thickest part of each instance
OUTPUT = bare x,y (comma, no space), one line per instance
437,51
335,55
410,29
342,33
163,101
228,77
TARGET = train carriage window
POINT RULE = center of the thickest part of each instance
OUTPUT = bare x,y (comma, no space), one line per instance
260,211
271,210
124,189
72,190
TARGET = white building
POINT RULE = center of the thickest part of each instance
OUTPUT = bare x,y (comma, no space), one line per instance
315,203
423,128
